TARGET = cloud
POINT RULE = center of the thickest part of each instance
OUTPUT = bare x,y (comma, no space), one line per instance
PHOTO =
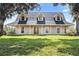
65,10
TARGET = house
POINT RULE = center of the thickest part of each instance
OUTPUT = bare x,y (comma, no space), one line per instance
41,23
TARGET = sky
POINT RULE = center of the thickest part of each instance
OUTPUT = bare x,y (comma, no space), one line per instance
48,7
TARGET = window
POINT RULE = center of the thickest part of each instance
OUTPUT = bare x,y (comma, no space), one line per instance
22,18
58,18
22,30
65,30
58,30
40,18
47,30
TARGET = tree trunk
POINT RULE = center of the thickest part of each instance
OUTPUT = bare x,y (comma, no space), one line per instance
77,26
1,27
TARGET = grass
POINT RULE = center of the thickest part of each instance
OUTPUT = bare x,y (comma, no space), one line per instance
33,45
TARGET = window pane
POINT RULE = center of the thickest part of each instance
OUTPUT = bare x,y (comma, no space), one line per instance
22,30
58,30
58,18
22,18
40,19
65,30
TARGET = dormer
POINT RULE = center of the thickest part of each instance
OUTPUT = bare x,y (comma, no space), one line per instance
40,19
23,18
58,17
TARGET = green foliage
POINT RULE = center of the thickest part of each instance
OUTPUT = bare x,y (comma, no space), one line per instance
7,10
10,9
9,31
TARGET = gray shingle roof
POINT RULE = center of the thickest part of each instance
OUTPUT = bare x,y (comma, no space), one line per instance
45,14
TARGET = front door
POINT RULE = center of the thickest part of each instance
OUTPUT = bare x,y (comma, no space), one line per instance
36,30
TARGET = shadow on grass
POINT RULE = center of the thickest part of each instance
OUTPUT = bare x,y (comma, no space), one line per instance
73,49
25,46
18,46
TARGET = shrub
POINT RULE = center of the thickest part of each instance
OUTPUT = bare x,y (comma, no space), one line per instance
72,32
10,31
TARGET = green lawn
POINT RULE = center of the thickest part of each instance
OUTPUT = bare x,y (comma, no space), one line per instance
47,45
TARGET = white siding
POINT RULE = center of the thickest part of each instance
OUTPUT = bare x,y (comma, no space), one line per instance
41,30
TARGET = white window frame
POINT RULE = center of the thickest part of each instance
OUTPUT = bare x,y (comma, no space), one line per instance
40,19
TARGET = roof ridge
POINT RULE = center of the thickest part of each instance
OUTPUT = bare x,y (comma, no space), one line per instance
45,12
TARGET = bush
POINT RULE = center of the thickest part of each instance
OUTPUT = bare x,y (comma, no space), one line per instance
2,33
10,31
71,33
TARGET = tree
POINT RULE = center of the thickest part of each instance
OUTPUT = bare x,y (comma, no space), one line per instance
74,11
9,9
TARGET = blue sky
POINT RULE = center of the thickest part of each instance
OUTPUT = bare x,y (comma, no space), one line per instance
48,7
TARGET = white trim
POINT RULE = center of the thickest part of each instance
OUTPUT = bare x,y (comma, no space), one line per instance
40,19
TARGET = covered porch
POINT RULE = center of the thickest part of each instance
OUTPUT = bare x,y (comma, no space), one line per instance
41,29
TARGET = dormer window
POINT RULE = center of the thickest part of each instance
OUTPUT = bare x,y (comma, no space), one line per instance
58,18
41,19
22,18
